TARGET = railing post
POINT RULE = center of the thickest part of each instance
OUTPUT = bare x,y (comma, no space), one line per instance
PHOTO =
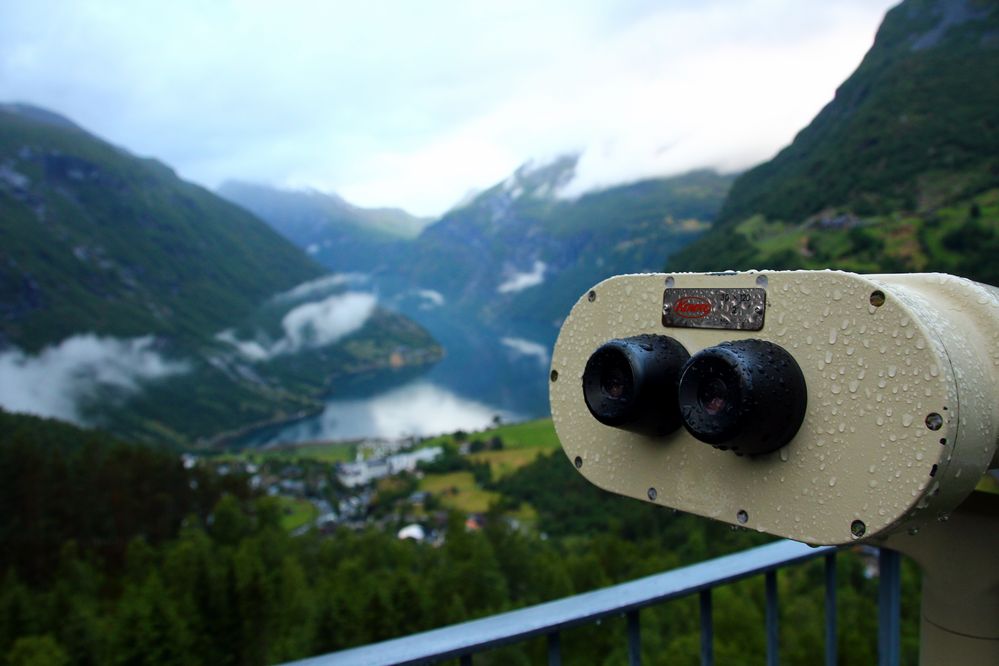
554,649
773,644
707,629
889,607
634,639
831,632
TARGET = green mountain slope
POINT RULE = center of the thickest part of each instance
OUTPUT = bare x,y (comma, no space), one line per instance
892,173
95,239
519,251
117,276
333,231
516,253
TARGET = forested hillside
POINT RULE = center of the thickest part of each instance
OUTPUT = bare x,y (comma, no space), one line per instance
898,173
519,251
96,239
119,554
132,299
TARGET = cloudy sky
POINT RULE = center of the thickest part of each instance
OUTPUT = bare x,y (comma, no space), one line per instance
415,103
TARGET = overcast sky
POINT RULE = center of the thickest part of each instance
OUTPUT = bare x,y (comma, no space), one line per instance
415,103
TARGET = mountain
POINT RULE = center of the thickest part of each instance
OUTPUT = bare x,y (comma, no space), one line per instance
95,239
330,229
898,172
494,277
116,276
521,251
490,255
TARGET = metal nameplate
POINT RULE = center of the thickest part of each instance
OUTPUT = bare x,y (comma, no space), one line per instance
739,309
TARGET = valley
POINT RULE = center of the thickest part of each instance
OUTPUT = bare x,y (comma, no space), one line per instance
133,300
491,280
252,423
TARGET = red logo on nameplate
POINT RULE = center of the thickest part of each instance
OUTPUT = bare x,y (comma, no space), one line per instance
692,307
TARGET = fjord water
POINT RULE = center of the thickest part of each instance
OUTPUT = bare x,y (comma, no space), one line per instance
485,374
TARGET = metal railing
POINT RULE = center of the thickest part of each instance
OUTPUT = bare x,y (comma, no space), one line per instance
549,619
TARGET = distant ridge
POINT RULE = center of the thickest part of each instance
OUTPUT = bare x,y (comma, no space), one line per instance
39,115
334,231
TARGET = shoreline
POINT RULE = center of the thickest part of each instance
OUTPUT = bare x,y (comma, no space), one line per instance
225,440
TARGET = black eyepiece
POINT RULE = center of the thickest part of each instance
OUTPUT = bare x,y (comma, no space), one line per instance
748,396
631,383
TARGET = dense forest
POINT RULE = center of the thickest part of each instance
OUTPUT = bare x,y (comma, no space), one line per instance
119,554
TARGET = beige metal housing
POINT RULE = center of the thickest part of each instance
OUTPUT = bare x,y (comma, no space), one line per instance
866,461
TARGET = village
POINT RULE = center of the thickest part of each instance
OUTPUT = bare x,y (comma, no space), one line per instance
407,487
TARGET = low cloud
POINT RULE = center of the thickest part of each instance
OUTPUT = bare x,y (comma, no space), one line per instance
309,326
319,324
319,286
62,377
522,347
431,298
251,349
520,281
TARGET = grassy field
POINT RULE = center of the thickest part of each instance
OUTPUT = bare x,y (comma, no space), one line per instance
522,443
506,461
988,484
537,434
330,452
458,491
297,512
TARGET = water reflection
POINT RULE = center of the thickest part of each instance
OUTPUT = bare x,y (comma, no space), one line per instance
487,371
419,408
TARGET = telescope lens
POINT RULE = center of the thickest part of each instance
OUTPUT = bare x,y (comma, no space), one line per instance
713,396
616,380
631,383
748,396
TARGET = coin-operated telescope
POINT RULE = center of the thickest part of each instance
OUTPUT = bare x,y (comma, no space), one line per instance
820,406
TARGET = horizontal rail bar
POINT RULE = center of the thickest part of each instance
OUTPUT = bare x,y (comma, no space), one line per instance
513,626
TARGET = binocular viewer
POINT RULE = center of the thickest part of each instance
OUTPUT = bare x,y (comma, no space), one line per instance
820,406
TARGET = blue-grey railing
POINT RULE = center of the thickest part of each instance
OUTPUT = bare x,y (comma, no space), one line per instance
549,619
